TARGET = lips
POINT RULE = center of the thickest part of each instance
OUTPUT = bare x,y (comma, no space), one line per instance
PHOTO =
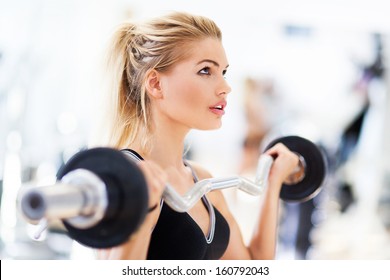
218,108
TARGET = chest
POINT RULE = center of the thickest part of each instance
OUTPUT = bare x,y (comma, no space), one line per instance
182,183
178,236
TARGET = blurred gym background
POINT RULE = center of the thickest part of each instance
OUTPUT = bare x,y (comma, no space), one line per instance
312,68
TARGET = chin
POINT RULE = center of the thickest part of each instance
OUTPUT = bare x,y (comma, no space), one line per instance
212,126
208,124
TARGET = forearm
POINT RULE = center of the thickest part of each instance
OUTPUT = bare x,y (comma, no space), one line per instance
264,240
135,248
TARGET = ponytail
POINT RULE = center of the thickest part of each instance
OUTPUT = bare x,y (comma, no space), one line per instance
127,115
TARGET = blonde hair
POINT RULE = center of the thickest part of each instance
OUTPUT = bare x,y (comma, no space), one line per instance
137,49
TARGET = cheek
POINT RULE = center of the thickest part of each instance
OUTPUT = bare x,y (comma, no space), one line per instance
188,97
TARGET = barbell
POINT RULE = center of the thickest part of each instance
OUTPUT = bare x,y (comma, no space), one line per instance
101,195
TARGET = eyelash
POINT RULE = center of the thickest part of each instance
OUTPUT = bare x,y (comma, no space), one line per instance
205,69
201,72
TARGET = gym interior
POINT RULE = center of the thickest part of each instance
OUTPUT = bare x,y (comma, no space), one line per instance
316,70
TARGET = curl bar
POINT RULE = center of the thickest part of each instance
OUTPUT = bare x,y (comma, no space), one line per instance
101,194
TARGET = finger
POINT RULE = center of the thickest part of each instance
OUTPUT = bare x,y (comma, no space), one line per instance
277,149
155,178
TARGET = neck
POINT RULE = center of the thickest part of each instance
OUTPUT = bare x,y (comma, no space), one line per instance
167,150
167,146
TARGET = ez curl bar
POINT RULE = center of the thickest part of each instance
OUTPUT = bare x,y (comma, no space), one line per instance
101,195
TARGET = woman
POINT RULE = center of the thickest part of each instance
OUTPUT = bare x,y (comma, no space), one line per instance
169,78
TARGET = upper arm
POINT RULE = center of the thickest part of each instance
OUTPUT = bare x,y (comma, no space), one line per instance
236,248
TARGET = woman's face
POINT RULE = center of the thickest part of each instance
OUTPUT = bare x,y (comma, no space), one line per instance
195,90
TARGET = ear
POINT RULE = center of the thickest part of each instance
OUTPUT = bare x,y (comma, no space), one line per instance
153,84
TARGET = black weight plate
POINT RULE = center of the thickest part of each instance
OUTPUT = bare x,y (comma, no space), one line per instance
314,172
127,196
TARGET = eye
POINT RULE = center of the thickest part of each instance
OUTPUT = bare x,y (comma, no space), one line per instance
224,73
205,71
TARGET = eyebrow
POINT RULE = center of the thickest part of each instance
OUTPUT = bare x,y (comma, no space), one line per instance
211,61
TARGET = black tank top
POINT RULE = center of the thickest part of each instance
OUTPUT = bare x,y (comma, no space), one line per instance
177,236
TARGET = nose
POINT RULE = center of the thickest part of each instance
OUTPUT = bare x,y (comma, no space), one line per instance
225,87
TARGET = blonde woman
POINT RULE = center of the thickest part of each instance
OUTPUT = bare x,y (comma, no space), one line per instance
169,78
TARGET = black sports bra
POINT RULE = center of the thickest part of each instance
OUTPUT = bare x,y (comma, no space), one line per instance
177,236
